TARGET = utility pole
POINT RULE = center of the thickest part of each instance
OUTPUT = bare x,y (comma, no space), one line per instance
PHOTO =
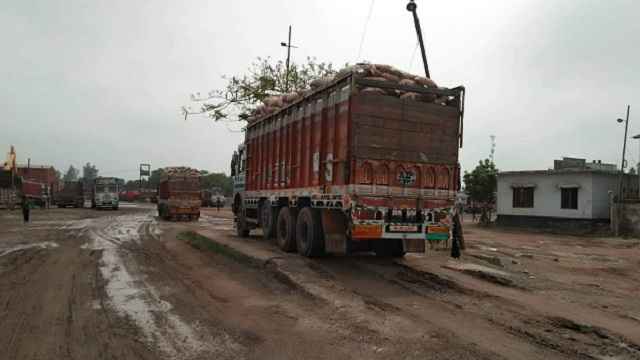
624,150
288,46
493,147
618,206
145,170
411,7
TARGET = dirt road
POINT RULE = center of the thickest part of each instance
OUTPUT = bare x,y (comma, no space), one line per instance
83,284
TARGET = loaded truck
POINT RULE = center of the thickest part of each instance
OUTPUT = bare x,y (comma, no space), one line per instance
72,194
104,193
9,189
179,194
38,193
362,163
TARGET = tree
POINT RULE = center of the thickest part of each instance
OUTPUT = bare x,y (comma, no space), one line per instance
71,174
219,180
481,185
89,172
154,178
243,93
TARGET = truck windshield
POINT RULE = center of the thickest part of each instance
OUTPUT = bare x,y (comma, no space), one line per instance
101,188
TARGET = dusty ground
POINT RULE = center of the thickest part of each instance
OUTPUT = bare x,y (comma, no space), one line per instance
84,284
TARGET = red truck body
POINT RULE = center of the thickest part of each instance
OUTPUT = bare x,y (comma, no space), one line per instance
179,196
37,192
129,195
376,172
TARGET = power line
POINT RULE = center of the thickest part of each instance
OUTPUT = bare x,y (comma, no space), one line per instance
364,31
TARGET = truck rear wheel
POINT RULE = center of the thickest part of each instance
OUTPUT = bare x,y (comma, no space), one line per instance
286,229
242,229
309,235
268,217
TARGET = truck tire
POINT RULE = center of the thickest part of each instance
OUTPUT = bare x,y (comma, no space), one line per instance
388,248
309,235
242,229
286,229
268,218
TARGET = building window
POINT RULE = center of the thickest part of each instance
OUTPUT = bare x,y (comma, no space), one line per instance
523,197
570,198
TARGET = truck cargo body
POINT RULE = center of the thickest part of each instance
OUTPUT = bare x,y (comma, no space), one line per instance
179,197
72,194
9,198
10,185
104,193
37,192
374,172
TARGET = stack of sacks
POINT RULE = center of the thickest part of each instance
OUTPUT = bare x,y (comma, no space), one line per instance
387,73
181,171
376,72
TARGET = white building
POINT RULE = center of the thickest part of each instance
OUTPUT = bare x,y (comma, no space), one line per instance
579,195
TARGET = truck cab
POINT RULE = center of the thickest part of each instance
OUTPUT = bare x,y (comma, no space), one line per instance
105,193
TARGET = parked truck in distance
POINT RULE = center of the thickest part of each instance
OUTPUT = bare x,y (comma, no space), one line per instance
213,196
10,186
179,194
72,194
360,164
38,193
104,193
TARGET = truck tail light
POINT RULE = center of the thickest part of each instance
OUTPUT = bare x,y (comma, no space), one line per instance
366,214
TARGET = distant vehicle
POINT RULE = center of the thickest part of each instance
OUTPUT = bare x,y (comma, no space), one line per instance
129,195
72,194
9,198
37,192
10,187
104,193
211,197
179,194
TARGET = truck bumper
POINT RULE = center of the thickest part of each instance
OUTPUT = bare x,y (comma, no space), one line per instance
184,211
381,230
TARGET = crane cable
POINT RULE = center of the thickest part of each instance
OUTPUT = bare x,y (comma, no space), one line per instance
364,31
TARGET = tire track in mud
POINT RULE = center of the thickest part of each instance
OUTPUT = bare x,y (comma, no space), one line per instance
484,311
129,294
45,313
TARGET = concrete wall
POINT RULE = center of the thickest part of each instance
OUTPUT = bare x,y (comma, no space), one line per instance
602,184
547,195
630,218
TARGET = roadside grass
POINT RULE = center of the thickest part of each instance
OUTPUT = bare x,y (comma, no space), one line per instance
203,243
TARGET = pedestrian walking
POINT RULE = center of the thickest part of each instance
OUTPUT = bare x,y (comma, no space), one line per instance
26,208
218,204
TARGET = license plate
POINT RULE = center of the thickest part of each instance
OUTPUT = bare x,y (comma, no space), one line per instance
403,228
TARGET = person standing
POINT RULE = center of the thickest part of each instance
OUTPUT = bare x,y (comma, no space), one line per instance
26,208
218,203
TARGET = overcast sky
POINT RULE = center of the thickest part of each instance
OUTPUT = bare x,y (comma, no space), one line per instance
103,81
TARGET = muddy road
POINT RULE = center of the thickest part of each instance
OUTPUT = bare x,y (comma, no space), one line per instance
84,284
